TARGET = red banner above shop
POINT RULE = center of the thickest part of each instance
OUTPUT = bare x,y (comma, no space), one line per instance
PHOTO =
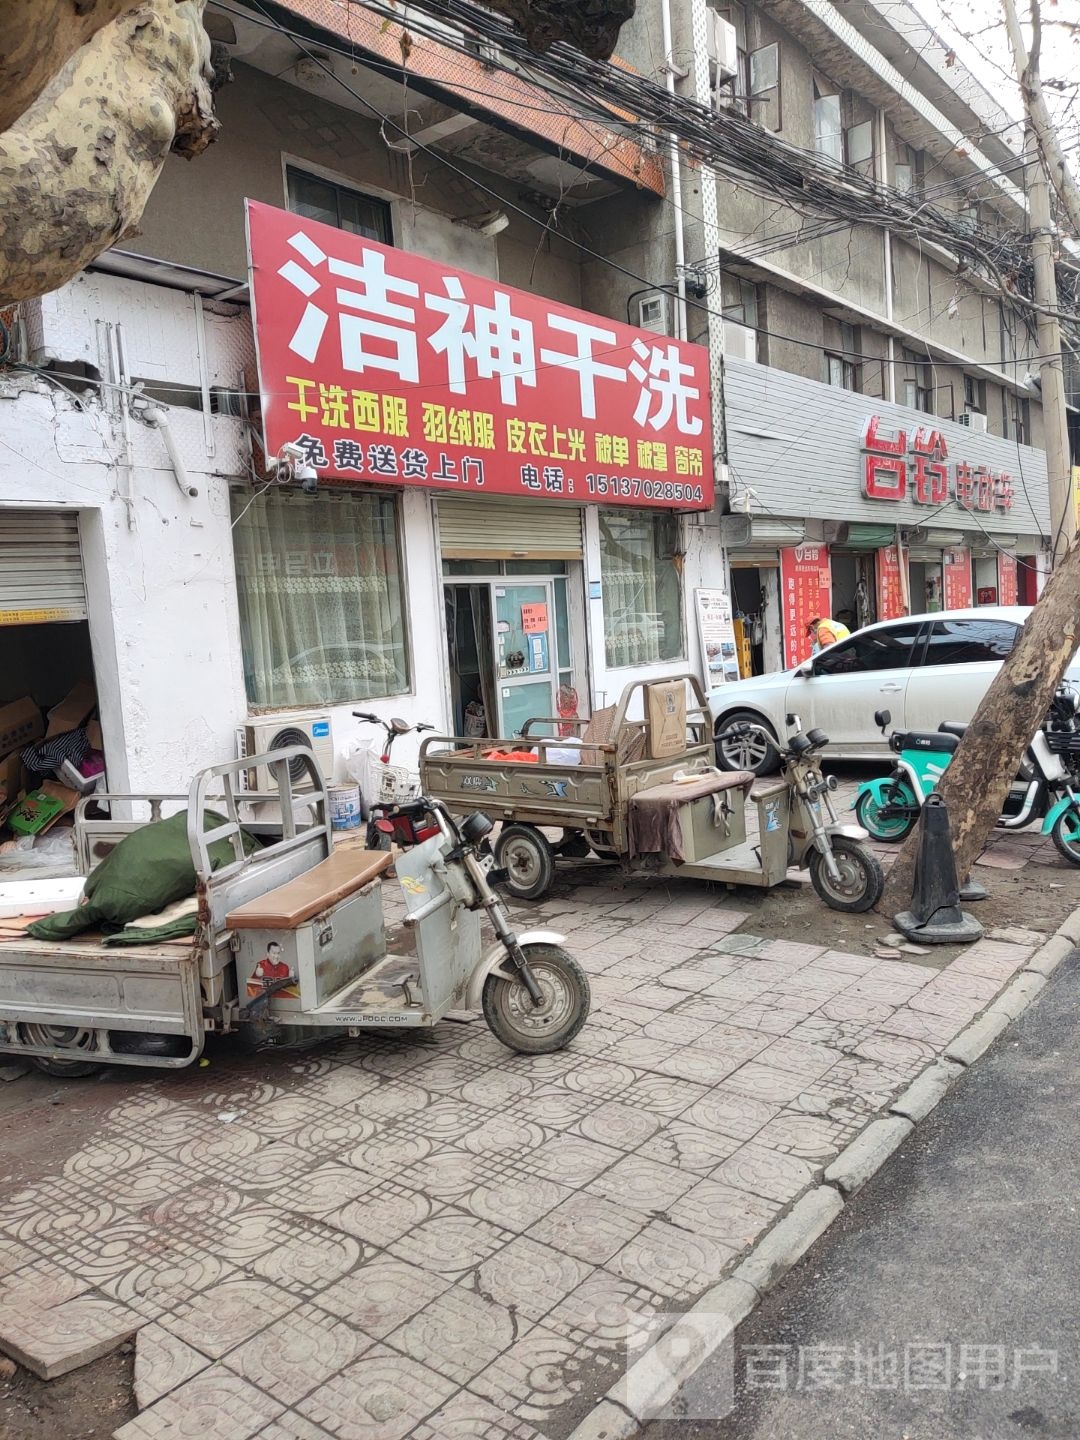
806,594
389,368
957,586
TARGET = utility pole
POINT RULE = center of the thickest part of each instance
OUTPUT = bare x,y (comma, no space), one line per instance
1051,365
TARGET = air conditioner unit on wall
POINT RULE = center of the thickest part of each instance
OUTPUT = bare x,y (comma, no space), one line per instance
723,47
273,732
740,341
974,421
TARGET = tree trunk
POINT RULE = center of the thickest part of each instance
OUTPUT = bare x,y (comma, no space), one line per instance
40,37
592,26
979,776
77,168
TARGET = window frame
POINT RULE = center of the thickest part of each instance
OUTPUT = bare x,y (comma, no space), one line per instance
922,381
767,98
372,193
653,517
822,91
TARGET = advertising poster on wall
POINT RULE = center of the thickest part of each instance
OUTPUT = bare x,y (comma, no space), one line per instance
1008,580
890,588
806,594
716,631
957,586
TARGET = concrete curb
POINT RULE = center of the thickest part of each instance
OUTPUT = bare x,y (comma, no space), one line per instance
654,1379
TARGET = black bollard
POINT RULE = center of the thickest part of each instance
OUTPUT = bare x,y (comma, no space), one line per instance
935,917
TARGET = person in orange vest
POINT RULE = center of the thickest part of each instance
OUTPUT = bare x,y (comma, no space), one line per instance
826,632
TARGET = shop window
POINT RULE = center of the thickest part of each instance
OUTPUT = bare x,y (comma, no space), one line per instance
322,610
640,584
765,87
963,642
828,123
319,199
889,649
918,381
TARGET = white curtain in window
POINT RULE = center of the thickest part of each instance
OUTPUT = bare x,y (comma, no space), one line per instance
320,591
640,585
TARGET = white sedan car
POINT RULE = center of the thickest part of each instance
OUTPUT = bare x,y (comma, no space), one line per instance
924,669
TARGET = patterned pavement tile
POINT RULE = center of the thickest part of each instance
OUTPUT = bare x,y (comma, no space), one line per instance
671,1263
792,1132
467,1417
53,1340
383,1215
642,1184
725,1214
323,1190
451,1243
600,1079
622,1126
459,1334
572,1160
272,1167
517,1202
156,1286
388,1153
216,1405
496,1089
381,1396
297,1353
688,1147
498,1134
377,1297
163,1362
555,1107
310,1260
228,1314
767,1019
799,1057
291,1426
765,1172
607,1312
730,1112
535,1377
663,1095
588,1227
767,1082
529,1278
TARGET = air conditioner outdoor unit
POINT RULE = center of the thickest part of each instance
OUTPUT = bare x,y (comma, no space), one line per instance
274,732
653,313
723,47
974,421
740,341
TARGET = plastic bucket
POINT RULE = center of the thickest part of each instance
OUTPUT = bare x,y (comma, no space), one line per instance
345,812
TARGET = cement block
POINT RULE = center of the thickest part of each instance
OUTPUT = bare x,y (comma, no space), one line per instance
977,1038
1017,995
867,1153
1049,956
924,1093
787,1242
606,1422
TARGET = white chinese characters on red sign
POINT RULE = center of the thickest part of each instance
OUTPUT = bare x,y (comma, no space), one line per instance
806,586
916,467
387,367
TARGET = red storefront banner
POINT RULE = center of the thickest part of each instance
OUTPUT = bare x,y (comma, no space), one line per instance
1008,582
890,589
806,594
389,368
956,588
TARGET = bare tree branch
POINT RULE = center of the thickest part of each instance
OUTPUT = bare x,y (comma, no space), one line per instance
1038,112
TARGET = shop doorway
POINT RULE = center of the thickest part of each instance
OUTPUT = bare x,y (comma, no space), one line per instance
508,639
854,587
926,585
750,599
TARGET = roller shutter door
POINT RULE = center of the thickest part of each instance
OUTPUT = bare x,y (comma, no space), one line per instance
41,572
499,529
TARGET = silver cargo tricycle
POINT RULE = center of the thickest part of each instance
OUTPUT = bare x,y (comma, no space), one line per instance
289,936
614,797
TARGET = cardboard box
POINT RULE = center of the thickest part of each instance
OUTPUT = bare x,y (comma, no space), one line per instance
666,714
93,734
76,707
20,725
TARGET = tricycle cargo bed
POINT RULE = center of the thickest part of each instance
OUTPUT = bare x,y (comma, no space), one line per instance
543,794
153,989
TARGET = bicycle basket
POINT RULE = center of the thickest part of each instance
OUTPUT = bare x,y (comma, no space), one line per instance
397,784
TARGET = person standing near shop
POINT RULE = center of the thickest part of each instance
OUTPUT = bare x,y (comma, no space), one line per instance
824,633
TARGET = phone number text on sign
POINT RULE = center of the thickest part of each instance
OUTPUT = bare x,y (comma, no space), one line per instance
390,368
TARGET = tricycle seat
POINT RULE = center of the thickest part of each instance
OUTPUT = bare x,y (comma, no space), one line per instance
316,890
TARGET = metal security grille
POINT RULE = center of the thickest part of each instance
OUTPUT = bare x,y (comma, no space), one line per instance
498,529
41,572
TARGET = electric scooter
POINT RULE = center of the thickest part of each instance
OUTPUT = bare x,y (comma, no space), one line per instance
1043,790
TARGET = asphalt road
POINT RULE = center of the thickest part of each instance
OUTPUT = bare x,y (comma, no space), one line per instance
944,1304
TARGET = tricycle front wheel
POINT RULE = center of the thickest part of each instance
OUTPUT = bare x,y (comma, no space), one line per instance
527,858
861,878
538,1029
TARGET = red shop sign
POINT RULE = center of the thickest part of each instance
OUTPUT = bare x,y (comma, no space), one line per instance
916,466
957,584
806,594
890,589
1008,586
386,367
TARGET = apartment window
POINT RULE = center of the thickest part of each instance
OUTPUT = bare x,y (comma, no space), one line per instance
908,171
859,148
765,86
828,123
321,596
739,299
1017,418
736,91
333,204
974,395
918,381
842,347
642,595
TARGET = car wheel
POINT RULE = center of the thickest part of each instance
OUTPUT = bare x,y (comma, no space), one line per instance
745,752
